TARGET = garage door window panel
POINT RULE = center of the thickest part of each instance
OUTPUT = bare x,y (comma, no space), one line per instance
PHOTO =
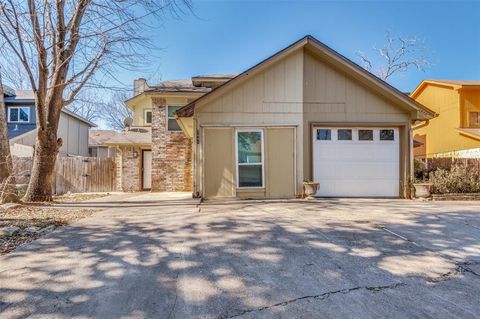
365,135
387,135
344,134
250,167
324,134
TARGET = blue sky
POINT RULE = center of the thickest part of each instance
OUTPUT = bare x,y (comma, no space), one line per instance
231,36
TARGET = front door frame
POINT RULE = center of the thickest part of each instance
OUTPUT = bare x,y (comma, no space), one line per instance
143,168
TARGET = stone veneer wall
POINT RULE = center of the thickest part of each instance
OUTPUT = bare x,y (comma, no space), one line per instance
128,169
171,154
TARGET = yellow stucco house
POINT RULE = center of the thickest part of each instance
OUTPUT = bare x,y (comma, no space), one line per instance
455,131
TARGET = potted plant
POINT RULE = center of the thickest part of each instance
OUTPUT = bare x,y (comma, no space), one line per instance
423,188
310,188
420,183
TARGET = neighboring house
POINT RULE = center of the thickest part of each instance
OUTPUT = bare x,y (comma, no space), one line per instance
21,122
305,113
455,132
96,143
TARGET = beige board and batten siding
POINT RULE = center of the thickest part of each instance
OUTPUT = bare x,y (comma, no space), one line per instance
220,164
280,159
333,98
271,98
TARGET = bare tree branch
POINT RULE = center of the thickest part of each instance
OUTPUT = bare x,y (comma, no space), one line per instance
114,111
398,55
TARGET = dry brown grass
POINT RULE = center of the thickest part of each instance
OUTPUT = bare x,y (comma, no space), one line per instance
39,216
78,197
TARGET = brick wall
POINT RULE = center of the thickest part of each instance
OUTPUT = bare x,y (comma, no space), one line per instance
128,169
171,154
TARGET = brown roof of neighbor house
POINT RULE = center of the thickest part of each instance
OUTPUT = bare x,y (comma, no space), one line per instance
135,135
99,137
216,76
334,57
189,85
177,86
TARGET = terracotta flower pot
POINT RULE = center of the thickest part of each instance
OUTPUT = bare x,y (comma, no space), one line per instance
422,190
310,189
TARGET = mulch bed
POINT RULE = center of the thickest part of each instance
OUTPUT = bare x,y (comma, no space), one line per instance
456,196
39,216
78,197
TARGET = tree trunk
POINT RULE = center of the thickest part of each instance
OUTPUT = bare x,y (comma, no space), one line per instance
43,169
8,189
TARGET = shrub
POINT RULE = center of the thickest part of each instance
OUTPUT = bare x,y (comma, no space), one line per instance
460,178
420,170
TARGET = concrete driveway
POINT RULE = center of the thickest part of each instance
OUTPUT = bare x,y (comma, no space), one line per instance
340,258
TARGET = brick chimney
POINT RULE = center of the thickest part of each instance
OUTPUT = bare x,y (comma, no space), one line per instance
139,85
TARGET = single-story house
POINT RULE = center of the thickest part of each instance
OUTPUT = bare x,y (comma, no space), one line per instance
305,113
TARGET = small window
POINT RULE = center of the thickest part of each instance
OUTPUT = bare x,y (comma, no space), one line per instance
250,159
474,119
148,117
344,134
172,124
387,135
324,134
19,114
365,135
92,151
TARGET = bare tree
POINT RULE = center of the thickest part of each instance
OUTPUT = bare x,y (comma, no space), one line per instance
66,45
399,54
14,74
8,190
115,111
88,104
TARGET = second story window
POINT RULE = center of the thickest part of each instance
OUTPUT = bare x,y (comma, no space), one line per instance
18,114
148,117
172,124
474,119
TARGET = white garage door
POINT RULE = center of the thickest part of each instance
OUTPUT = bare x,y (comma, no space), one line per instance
356,162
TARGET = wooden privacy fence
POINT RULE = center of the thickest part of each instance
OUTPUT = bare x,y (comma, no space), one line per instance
73,174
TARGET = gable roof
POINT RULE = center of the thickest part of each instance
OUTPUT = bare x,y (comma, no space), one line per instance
185,85
454,84
315,46
135,136
99,137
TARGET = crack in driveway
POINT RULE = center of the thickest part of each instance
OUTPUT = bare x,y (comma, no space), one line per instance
459,269
318,297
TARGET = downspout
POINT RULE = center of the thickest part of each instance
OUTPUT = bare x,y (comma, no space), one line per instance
195,145
420,125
